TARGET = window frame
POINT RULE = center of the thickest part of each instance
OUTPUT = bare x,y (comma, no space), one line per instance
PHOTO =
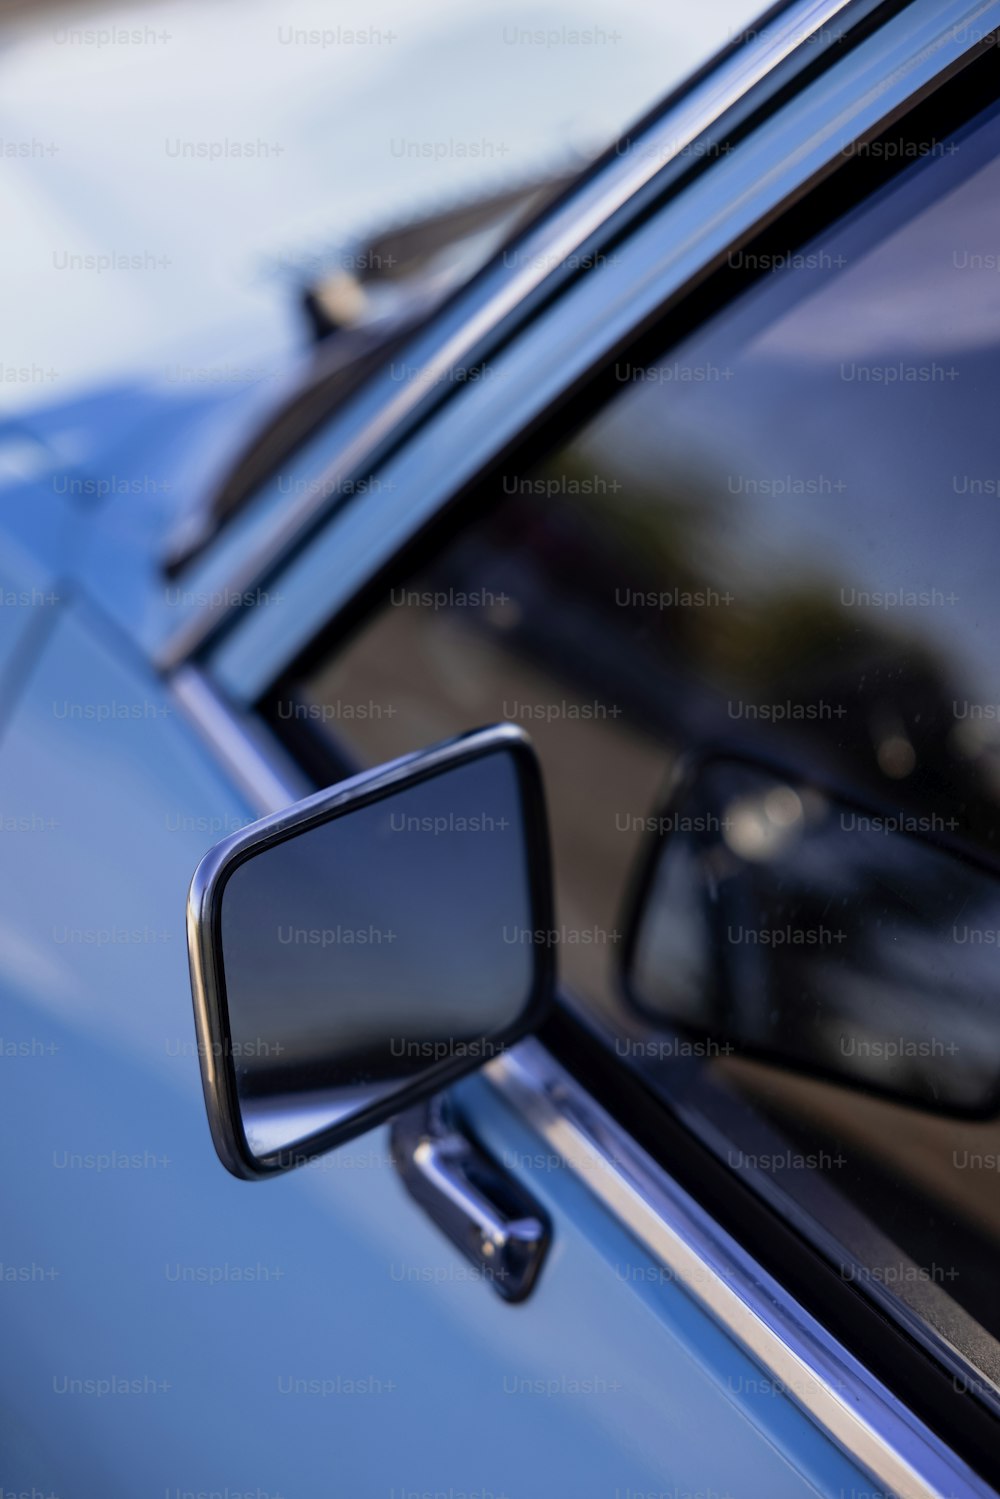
794,42
663,268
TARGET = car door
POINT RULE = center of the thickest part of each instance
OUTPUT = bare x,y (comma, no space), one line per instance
636,542
191,1333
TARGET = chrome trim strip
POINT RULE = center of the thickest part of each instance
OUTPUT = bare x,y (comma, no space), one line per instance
864,1419
556,238
835,1389
265,784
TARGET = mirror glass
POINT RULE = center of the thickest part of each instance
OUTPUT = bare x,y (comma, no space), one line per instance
783,921
363,951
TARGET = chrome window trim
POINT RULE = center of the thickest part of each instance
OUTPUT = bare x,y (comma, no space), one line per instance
267,778
858,1413
557,237
652,269
854,1409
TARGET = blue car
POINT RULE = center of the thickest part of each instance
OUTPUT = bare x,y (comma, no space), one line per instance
494,1000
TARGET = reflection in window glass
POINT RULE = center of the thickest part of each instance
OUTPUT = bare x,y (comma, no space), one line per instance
782,541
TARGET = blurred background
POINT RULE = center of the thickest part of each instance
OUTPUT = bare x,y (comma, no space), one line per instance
225,155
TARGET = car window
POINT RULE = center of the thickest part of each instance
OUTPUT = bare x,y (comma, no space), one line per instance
749,616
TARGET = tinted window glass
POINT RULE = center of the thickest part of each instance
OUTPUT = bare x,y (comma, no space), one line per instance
781,540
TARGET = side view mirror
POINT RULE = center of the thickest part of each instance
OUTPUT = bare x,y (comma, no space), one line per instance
783,920
360,950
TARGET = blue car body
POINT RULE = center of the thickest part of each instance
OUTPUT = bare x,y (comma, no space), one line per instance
169,1330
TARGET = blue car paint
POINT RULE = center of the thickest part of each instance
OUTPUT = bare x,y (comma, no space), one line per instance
136,1258
131,1272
